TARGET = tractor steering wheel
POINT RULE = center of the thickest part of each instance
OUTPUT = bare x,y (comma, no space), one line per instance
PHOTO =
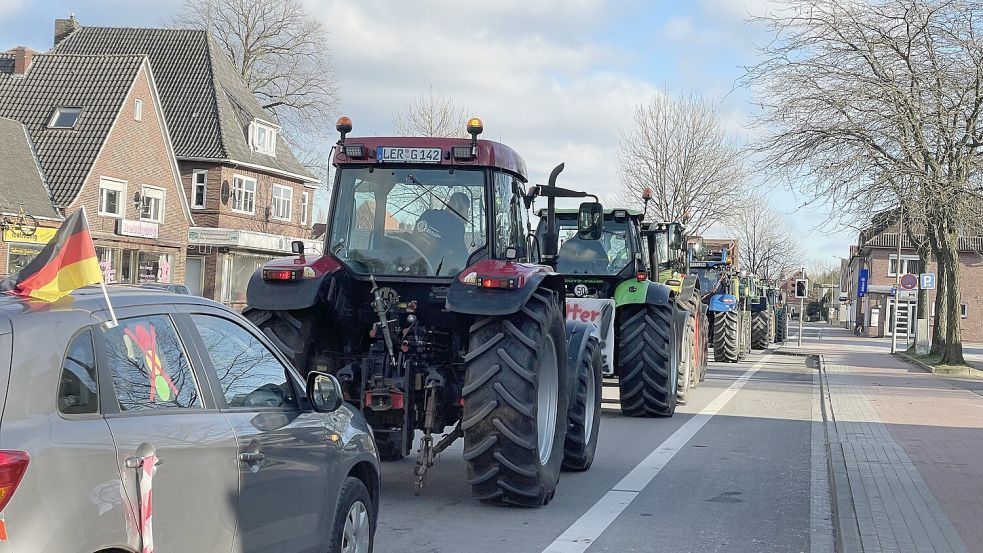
415,249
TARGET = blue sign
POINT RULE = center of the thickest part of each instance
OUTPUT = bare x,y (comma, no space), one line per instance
926,281
862,283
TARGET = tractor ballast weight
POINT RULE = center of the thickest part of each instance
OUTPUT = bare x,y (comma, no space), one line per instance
434,319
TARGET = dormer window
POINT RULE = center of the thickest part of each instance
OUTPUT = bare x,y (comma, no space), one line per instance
262,138
64,118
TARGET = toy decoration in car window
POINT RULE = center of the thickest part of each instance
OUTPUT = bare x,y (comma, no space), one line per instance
146,340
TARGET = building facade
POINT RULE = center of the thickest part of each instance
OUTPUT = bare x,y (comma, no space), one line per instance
248,195
97,127
877,252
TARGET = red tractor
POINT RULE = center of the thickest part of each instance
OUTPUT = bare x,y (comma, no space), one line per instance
430,308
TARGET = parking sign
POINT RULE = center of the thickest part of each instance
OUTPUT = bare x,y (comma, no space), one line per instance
926,281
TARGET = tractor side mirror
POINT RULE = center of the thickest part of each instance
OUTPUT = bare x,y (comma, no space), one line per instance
590,221
297,246
675,236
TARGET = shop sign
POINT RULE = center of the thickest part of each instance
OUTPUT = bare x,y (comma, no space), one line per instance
42,235
137,229
213,236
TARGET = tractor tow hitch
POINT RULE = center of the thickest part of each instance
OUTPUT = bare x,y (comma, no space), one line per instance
428,451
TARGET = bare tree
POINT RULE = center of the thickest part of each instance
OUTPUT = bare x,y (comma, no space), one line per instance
282,54
680,149
765,241
876,105
431,114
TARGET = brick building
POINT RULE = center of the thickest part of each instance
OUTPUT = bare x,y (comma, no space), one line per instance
877,251
97,129
249,196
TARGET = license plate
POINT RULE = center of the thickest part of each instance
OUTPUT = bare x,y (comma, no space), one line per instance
408,155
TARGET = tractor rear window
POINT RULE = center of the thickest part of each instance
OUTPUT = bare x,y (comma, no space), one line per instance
431,220
607,256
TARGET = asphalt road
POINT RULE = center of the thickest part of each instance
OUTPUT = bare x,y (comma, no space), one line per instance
738,469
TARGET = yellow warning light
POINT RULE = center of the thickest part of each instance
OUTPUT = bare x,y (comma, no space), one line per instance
475,127
344,125
334,437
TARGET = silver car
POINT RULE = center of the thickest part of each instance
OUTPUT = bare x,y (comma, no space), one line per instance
182,429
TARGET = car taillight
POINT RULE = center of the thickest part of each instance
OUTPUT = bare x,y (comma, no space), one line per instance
13,465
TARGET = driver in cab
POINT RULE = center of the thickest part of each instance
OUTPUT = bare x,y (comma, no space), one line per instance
442,233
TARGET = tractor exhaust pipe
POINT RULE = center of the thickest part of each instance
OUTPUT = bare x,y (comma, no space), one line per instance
552,235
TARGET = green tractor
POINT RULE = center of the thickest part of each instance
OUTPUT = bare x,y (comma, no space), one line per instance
762,318
652,333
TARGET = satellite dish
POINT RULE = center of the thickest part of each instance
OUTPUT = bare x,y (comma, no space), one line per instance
225,192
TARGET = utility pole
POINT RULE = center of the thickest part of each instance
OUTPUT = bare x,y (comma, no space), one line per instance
802,306
897,285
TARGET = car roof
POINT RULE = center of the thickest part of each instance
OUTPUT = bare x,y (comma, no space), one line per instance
90,299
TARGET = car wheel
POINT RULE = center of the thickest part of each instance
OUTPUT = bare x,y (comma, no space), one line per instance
354,520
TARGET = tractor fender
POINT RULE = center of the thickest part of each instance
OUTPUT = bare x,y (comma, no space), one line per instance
578,334
636,292
293,294
465,296
679,319
720,303
689,287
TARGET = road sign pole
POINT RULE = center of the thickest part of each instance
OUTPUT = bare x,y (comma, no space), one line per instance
802,312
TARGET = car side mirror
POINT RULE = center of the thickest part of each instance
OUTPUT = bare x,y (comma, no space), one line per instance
297,246
590,221
324,392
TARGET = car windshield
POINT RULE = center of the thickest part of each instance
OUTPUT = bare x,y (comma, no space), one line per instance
709,278
607,256
430,223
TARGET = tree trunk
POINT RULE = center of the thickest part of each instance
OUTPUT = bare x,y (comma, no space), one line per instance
952,350
939,328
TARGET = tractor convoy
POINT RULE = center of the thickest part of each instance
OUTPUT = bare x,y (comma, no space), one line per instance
444,315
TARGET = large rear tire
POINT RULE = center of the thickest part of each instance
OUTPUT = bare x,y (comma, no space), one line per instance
759,330
584,414
515,403
726,339
781,325
290,332
646,361
685,372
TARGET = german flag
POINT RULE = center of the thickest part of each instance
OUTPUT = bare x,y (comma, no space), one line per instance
67,262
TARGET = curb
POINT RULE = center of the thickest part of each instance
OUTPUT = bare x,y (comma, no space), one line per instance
971,372
846,528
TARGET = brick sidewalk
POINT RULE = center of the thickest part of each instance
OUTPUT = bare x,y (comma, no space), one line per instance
913,444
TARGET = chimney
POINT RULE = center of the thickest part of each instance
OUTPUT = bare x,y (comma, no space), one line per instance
22,59
65,27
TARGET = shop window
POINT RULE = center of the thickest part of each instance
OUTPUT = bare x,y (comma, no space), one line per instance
152,208
199,186
237,270
111,197
19,255
244,194
282,202
154,267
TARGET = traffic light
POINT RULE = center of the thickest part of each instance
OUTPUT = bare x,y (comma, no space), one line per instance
801,288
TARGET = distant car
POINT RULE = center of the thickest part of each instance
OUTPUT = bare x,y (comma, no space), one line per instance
185,399
176,288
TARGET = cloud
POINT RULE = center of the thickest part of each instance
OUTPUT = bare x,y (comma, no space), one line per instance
10,8
531,71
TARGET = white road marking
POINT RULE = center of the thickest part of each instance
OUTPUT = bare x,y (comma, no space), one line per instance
582,533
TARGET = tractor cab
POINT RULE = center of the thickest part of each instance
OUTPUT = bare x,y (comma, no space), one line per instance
593,265
666,247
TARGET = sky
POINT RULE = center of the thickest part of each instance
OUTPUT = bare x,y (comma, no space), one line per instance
557,80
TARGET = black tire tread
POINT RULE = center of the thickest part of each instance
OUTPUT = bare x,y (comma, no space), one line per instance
578,452
726,325
760,330
644,358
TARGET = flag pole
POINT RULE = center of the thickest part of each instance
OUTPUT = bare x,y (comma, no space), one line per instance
102,282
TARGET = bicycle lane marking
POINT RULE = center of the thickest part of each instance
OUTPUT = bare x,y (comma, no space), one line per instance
582,533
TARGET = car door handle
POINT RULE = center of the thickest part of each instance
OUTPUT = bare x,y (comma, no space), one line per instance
251,456
137,462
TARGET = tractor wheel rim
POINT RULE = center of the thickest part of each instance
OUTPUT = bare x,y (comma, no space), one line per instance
589,407
355,536
546,400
